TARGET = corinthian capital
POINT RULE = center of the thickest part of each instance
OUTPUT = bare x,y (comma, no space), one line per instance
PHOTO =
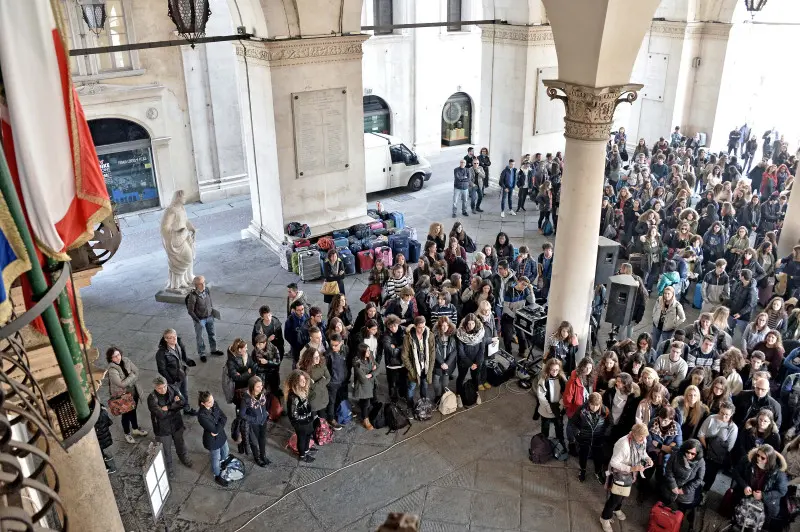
590,110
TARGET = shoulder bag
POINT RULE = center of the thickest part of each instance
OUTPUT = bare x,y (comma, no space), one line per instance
121,404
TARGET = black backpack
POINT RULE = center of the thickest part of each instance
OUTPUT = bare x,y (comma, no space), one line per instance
360,231
469,393
376,416
540,450
395,418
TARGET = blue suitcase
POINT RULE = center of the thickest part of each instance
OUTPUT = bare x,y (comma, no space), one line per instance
341,233
399,240
349,261
399,219
414,251
341,242
698,296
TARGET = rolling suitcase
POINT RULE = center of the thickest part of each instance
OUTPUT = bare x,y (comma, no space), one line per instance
341,242
414,251
349,261
341,233
310,267
384,253
500,368
365,260
398,219
375,226
399,244
697,302
664,519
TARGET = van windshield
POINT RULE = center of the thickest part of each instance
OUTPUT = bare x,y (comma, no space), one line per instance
401,154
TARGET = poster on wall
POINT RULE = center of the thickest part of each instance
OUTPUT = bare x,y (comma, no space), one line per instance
320,131
130,179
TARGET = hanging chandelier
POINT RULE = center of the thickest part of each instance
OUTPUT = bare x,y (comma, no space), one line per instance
754,6
94,14
190,18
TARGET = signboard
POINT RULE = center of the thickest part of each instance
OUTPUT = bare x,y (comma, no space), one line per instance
129,175
320,131
155,478
549,114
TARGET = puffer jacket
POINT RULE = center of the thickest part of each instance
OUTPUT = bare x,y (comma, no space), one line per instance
674,317
446,348
392,356
590,427
775,487
121,384
743,299
686,475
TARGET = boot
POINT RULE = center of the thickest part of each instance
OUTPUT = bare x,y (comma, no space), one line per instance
605,524
368,425
582,475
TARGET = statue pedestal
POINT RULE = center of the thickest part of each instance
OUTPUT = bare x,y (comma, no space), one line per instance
171,296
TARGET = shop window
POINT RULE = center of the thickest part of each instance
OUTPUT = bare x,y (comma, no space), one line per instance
383,10
376,116
454,15
457,120
126,159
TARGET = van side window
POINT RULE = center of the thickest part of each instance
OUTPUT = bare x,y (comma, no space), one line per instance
397,152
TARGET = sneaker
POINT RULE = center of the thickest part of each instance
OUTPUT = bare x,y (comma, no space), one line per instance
111,470
605,524
217,353
190,412
464,213
601,478
481,387
512,213
619,515
129,438
582,475
139,432
487,386
187,461
221,481
203,358
335,425
306,458
502,214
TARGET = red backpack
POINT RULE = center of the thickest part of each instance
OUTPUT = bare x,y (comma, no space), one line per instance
664,519
326,243
324,433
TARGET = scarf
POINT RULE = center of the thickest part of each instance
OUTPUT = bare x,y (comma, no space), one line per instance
470,338
258,402
420,352
664,432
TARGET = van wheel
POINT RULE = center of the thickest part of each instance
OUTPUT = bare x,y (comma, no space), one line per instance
416,182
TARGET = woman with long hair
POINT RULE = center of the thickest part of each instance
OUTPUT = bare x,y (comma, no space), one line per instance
122,378
715,394
298,410
436,235
313,363
340,309
668,315
607,370
562,344
691,411
364,382
254,409
772,347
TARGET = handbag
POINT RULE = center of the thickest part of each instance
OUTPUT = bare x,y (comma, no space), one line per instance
329,288
621,483
122,404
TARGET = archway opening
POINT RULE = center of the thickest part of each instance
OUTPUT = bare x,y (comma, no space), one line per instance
457,120
377,118
126,158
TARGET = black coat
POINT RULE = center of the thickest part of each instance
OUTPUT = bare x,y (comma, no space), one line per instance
628,417
274,327
213,422
393,356
239,371
748,404
298,410
590,427
102,428
171,368
166,423
471,354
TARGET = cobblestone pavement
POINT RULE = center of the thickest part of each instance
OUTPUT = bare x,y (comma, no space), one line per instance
467,472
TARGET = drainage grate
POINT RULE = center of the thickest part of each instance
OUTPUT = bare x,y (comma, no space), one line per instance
403,197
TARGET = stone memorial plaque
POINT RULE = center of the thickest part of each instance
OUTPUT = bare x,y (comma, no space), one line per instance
320,131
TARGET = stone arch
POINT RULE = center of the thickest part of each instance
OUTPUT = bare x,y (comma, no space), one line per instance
515,11
717,10
297,18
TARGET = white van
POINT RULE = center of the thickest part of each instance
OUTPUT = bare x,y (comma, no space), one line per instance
388,163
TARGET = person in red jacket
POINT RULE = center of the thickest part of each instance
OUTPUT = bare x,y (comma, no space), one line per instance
578,388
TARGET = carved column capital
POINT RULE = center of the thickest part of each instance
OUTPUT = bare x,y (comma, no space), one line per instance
590,110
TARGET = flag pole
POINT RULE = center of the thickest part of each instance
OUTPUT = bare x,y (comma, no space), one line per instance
39,287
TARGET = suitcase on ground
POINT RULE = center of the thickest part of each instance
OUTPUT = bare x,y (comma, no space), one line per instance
372,213
295,264
341,233
310,265
398,219
500,368
301,243
380,241
663,519
697,302
341,242
368,242
410,232
389,224
385,254
365,260
381,232
285,256
375,226
360,231
399,244
349,261
355,248
414,251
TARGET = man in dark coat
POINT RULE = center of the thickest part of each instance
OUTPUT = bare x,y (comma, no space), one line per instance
171,361
269,326
165,403
201,310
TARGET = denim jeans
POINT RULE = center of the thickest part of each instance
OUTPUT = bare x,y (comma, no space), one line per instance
208,325
183,387
659,335
505,196
475,198
463,195
217,456
423,387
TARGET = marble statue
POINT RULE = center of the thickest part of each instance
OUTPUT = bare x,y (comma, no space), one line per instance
177,236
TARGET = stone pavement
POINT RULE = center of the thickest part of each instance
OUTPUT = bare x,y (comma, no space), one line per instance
469,472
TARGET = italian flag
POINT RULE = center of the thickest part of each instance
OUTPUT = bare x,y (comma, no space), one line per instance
44,132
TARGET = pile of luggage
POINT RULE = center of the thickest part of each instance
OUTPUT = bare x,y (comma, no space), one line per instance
358,247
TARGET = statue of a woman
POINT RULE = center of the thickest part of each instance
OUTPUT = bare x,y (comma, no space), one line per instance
177,236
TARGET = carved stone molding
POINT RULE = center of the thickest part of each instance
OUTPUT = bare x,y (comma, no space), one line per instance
590,110
517,35
709,30
664,28
303,51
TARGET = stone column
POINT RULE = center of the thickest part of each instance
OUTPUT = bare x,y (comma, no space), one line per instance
589,115
790,233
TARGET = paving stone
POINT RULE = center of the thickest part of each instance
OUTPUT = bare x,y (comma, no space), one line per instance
438,526
544,514
360,451
242,508
306,475
545,482
289,514
451,505
266,481
363,524
411,503
205,504
496,510
331,456
463,477
495,475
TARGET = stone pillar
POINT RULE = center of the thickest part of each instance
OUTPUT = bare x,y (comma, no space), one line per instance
305,92
589,116
790,233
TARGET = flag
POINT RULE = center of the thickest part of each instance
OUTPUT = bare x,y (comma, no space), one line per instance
44,131
13,256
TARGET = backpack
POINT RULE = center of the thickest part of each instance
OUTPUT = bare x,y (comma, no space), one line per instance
559,452
228,387
326,243
540,450
395,418
547,228
448,403
324,433
233,470
749,514
344,414
469,393
376,416
292,443
424,409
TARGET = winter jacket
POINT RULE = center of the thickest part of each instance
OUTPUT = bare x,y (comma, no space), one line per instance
460,178
770,211
239,370
508,178
750,216
716,288
298,410
471,347
418,354
748,404
720,438
274,328
271,360
669,279
395,307
753,265
515,299
293,329
525,178
166,422
500,283
590,427
697,358
392,356
674,315
775,487
443,311
199,304
749,437
773,357
337,368
103,428
743,300
628,416
363,386
213,421
563,350
686,475
446,350
119,382
550,392
255,410
318,394
171,364
525,267
575,393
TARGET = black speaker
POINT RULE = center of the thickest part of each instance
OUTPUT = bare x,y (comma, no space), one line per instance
607,253
621,298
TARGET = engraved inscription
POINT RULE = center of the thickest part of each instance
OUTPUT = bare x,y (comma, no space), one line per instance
320,131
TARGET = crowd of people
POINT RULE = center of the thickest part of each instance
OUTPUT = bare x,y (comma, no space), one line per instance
679,404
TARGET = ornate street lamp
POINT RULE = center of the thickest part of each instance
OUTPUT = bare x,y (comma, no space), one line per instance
190,17
94,14
754,6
